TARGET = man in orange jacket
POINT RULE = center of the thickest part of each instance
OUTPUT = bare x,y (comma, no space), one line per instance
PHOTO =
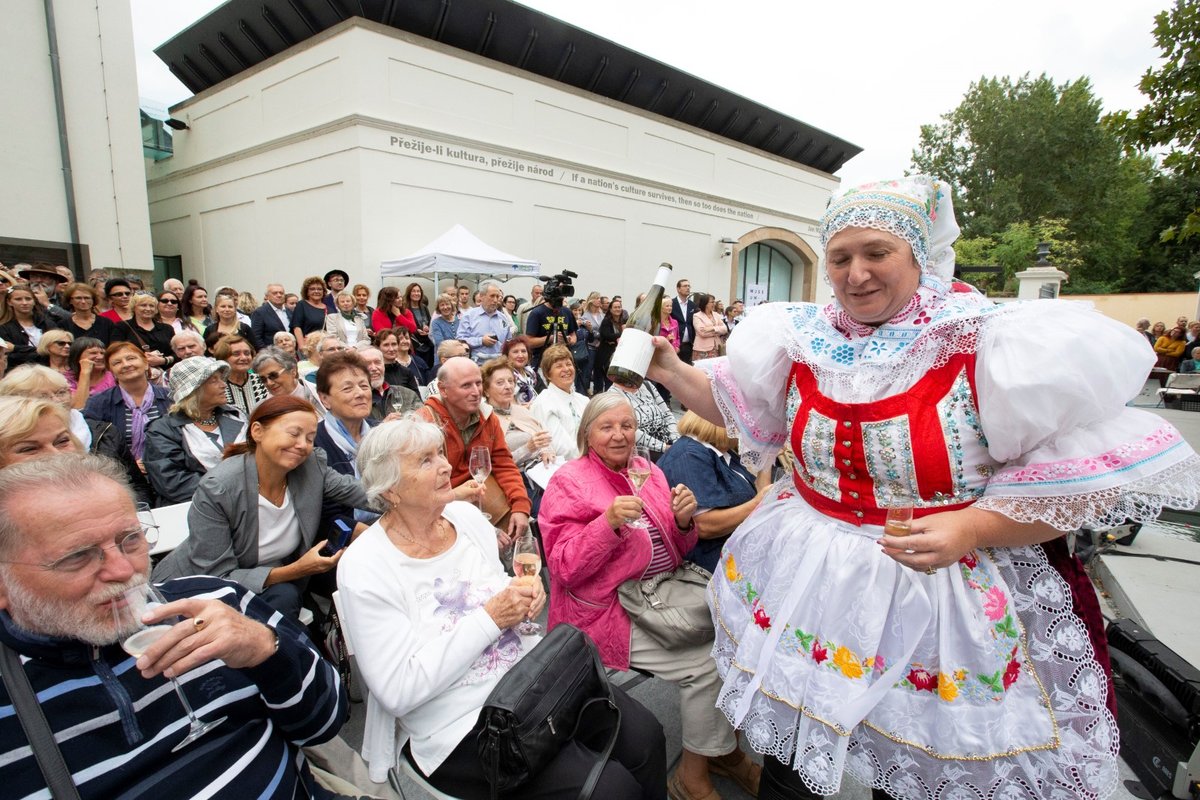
458,412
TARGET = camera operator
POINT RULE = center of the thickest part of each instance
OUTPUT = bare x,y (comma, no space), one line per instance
551,322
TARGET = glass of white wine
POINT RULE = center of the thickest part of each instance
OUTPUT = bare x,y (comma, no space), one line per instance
527,565
638,472
480,466
899,521
136,638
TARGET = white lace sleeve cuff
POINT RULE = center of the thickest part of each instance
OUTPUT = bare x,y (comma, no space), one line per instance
1136,479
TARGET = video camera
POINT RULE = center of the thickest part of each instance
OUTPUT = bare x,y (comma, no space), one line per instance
559,286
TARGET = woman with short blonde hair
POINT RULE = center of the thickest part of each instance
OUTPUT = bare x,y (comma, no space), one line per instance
31,428
55,350
43,383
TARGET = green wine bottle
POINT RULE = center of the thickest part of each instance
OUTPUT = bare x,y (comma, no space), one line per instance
636,347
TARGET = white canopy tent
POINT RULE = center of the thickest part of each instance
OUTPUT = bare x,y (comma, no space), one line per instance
460,252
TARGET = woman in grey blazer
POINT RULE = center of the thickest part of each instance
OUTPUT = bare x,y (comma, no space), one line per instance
257,517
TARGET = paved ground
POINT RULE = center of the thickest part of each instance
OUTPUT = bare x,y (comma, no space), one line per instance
663,698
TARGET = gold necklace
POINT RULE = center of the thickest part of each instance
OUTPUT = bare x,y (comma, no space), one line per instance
436,546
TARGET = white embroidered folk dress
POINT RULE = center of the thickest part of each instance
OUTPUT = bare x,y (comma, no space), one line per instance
979,680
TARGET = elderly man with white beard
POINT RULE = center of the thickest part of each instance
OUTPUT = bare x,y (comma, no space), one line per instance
116,718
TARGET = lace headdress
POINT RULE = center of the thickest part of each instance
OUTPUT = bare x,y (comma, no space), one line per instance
918,209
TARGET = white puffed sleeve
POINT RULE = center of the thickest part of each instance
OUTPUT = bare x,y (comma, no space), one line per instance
1053,378
750,382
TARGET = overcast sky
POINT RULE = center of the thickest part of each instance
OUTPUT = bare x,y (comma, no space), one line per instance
871,72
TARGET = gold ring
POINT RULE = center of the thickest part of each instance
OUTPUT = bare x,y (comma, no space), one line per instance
198,623
931,570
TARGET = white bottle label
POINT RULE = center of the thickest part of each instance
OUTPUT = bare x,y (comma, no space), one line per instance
634,351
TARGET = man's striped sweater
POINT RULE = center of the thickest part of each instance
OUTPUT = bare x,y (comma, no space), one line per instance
116,728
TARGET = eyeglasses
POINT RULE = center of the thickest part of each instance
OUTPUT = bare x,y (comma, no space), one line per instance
169,301
131,543
63,343
270,377
119,294
58,394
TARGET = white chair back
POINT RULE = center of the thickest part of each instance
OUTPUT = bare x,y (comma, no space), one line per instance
172,522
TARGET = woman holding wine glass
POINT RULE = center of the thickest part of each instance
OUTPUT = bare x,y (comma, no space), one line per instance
434,619
593,544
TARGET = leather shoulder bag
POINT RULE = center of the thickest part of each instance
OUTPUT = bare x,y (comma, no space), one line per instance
672,607
539,705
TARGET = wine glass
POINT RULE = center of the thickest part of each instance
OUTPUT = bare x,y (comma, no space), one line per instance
136,638
480,467
899,521
638,472
527,564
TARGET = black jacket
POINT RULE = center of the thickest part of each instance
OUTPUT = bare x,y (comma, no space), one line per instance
24,351
683,315
105,414
174,472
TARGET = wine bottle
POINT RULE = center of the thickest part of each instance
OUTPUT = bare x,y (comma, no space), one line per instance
635,348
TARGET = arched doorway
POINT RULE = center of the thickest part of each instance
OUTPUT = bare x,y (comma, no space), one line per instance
776,259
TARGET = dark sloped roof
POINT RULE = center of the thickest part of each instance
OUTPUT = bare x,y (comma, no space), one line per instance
242,33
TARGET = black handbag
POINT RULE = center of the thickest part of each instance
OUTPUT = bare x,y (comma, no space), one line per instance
538,706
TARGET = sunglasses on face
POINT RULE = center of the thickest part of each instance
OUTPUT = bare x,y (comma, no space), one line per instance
119,294
168,301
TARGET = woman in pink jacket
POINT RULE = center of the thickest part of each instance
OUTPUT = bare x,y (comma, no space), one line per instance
591,549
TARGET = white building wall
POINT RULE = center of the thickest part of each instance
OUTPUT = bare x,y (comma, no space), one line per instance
95,43
365,143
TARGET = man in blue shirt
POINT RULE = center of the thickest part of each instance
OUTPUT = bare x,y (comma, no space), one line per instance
485,328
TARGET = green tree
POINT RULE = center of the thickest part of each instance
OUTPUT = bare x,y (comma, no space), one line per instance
1165,263
1171,118
1030,150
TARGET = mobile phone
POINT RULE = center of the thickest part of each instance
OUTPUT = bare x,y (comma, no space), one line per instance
339,540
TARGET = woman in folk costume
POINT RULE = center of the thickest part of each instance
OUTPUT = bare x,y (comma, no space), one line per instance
967,659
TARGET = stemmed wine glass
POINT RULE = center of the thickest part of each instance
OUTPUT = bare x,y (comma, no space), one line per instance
481,467
638,472
136,638
527,564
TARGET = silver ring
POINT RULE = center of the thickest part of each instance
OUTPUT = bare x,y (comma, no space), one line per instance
910,552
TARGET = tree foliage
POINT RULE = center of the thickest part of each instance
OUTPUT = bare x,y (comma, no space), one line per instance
1028,156
1014,249
1171,118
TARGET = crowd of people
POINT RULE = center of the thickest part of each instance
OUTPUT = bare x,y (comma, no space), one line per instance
960,654
1174,348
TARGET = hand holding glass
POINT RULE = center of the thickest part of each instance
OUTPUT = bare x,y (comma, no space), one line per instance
899,521
638,473
136,638
480,466
527,564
